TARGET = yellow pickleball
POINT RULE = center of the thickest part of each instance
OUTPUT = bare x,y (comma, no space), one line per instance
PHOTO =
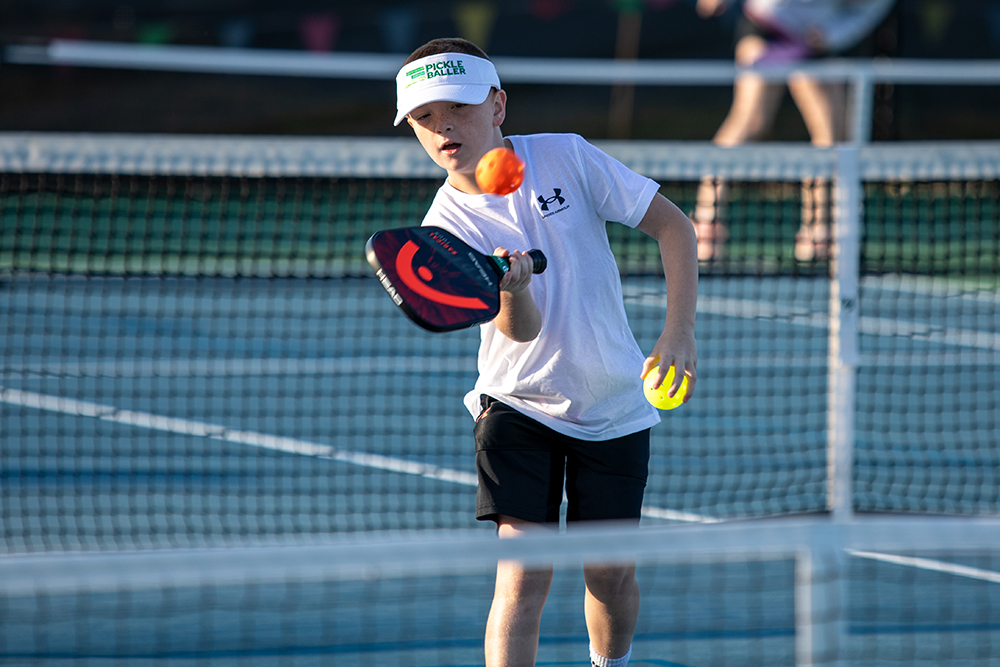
658,397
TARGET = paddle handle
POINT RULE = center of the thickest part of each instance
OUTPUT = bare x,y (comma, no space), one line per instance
539,262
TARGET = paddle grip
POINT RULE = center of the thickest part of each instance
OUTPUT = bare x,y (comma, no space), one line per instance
538,259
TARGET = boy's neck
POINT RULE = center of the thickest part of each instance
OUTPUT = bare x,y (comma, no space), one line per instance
464,183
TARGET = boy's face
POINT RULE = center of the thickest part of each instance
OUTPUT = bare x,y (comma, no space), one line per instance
456,135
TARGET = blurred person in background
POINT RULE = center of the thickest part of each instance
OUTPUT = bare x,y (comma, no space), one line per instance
784,32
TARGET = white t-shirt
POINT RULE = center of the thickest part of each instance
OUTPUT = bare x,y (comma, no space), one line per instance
581,375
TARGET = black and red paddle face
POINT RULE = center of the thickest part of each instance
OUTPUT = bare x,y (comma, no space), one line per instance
440,282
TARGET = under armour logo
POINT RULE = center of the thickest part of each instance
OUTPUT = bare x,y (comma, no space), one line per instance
554,198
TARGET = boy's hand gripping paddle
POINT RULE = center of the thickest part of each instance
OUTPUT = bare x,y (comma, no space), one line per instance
439,281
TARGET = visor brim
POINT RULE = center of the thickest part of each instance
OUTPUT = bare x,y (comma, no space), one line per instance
460,93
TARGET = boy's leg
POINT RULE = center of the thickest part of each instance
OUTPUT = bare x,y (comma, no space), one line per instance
521,470
512,627
605,481
611,608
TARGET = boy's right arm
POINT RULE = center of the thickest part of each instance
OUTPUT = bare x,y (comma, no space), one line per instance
519,318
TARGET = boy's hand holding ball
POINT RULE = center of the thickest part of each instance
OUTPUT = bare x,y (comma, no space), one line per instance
658,396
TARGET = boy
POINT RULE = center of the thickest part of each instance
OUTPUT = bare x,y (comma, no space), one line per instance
560,385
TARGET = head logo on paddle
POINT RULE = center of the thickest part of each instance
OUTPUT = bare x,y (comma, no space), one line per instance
439,281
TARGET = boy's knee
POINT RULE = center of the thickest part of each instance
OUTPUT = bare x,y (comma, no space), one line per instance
610,580
523,584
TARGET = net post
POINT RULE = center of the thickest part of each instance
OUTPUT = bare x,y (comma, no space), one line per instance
843,345
862,106
821,600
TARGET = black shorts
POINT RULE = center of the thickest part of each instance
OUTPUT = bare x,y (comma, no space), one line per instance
522,465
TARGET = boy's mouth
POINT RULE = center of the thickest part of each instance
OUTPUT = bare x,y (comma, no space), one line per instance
450,148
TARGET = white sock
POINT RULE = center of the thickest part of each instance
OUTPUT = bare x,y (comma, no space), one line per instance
599,660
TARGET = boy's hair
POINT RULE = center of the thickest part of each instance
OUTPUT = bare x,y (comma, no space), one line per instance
447,45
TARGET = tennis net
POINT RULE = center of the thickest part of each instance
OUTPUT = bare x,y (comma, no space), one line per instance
794,591
193,349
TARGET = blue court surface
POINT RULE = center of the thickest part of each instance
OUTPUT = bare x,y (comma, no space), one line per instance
147,413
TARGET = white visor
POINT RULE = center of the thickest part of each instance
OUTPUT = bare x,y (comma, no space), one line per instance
451,77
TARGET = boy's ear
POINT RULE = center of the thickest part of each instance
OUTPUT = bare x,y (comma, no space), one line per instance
499,107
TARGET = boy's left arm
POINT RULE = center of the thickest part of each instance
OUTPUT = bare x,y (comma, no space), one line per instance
679,252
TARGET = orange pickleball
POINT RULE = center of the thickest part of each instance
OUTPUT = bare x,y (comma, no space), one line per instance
500,171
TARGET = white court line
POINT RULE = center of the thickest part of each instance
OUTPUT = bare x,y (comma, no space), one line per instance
177,367
983,291
251,438
931,565
873,326
254,439
674,515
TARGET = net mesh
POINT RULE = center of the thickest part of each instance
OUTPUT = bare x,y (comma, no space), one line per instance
798,592
929,321
199,374
193,348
